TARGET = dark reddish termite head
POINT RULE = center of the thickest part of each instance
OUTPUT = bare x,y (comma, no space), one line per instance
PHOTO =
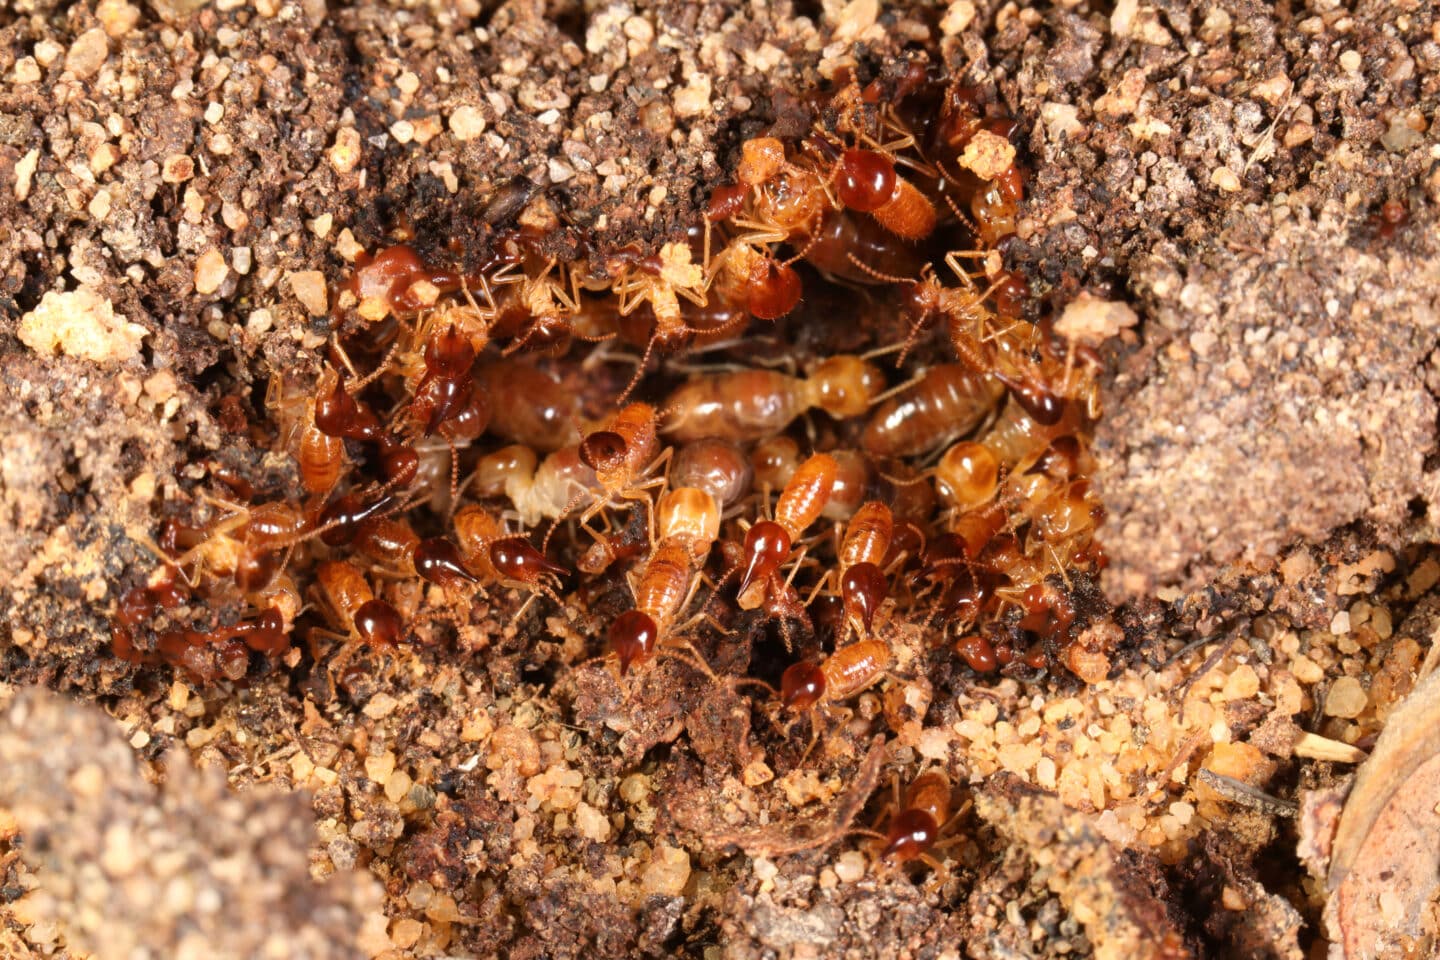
399,461
976,651
726,202
449,354
470,421
767,544
1043,406
438,560
517,559
378,624
773,289
912,833
1011,292
338,414
864,180
863,588
802,685
253,570
633,636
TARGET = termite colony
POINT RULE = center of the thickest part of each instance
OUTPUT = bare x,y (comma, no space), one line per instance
828,412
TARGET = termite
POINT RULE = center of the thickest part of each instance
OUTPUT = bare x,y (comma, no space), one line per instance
767,542
354,609
689,523
754,404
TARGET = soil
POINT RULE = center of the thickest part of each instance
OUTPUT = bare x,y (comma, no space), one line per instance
177,171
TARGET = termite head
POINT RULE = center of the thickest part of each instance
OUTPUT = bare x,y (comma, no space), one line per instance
449,353
864,180
399,461
978,652
1042,404
517,559
726,202
767,544
603,450
253,570
863,588
633,636
912,832
438,560
378,624
772,289
802,685
337,414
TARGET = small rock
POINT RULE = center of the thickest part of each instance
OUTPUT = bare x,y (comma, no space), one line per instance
987,155
591,823
27,70
958,16
117,17
344,154
210,272
406,933
80,323
1225,179
693,99
1092,320
372,938
667,872
24,173
1346,699
467,122
850,866
309,288
177,169
88,53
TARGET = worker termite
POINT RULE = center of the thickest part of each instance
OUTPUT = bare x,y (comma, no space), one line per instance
917,818
499,556
866,180
362,618
753,404
809,688
862,550
623,455
768,542
948,401
689,521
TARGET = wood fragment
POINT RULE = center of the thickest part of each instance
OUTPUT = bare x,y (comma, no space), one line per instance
1316,747
799,835
1242,793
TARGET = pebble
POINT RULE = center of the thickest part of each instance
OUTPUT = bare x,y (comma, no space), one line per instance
591,823
667,872
210,272
309,288
24,172
80,323
467,122
1346,699
850,866
88,53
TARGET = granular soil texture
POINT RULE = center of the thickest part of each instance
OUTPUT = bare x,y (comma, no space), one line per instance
1258,181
